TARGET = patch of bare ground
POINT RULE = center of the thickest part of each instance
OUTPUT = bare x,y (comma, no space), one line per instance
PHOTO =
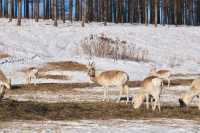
63,66
51,87
14,110
4,55
56,77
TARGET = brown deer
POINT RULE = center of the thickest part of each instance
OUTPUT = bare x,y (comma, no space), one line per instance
189,95
151,86
4,84
162,73
31,73
114,78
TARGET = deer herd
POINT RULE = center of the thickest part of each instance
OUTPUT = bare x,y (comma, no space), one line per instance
149,93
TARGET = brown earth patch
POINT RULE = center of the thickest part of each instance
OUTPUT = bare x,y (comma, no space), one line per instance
4,55
63,66
51,87
55,77
14,110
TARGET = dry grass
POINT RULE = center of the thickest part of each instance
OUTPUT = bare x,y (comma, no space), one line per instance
50,87
64,66
14,110
103,46
4,55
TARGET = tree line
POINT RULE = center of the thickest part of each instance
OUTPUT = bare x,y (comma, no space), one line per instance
176,12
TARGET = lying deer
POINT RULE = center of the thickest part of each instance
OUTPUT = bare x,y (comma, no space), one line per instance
114,78
162,73
31,73
193,92
4,84
151,86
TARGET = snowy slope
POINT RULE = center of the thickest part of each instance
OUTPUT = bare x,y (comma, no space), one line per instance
37,43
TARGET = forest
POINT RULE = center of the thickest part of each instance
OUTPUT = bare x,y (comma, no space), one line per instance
175,12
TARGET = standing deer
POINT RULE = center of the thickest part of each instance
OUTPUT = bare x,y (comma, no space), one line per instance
162,73
151,86
114,78
31,73
193,92
4,84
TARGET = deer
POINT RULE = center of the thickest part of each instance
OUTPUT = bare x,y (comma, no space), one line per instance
31,73
151,86
162,73
193,92
5,84
110,78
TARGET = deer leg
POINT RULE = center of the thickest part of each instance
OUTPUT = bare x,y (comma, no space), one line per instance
147,101
35,80
107,94
199,102
168,82
127,94
104,98
120,94
156,103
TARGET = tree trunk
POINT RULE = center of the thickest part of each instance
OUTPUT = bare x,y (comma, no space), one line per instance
0,8
63,11
84,12
47,9
55,12
146,11
77,10
36,10
156,12
105,11
70,10
32,10
175,12
6,8
11,10
27,9
19,13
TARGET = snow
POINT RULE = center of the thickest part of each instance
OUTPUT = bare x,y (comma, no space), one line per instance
103,126
34,44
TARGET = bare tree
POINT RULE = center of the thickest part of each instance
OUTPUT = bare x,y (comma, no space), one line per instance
156,12
55,12
11,10
0,8
84,12
70,10
19,13
146,11
63,11
105,12
175,12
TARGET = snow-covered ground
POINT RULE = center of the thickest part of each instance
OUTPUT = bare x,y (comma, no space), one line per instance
34,44
103,126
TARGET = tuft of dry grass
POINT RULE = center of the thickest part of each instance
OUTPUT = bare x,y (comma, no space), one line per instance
103,46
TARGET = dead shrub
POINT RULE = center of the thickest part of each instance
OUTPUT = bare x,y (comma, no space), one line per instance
103,46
